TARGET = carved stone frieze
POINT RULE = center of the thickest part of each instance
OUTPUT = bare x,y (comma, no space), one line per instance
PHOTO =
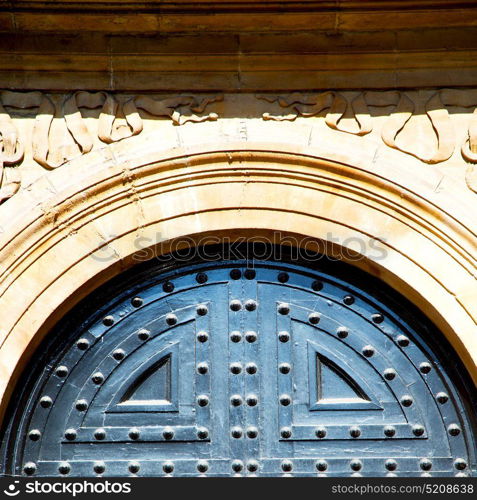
402,109
52,148
52,152
49,130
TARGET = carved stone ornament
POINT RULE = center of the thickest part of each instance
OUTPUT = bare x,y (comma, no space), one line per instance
60,133
403,108
471,178
51,148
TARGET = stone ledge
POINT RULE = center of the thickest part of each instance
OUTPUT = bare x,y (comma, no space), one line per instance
194,16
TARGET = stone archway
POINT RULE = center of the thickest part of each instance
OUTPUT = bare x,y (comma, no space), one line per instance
139,190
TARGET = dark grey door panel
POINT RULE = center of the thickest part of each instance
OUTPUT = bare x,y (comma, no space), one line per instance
224,370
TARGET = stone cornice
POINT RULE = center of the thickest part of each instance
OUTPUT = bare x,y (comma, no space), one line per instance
196,16
194,6
237,46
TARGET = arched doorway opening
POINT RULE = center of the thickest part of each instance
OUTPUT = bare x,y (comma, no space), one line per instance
243,366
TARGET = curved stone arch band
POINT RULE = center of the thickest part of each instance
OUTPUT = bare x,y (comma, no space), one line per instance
121,193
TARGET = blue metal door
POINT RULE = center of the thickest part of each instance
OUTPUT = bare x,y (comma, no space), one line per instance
224,370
